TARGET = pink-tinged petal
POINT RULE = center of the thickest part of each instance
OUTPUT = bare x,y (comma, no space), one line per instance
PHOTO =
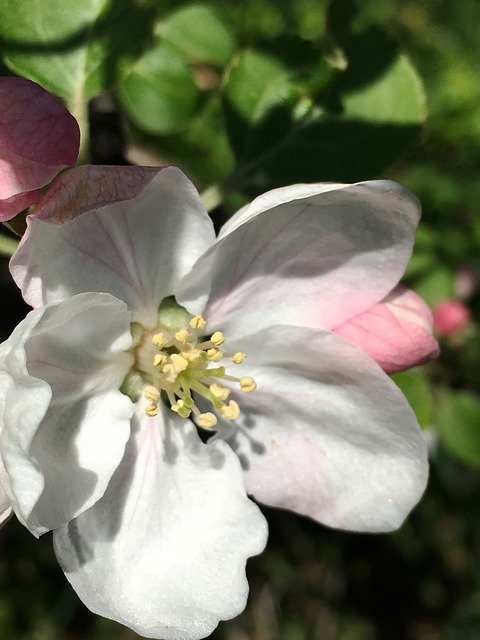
396,333
310,255
451,317
38,138
164,550
10,207
64,421
91,187
137,249
326,433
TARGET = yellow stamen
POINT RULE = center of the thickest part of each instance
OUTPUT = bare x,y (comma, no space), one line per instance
159,340
214,354
181,408
207,420
247,384
179,362
230,411
152,394
159,359
182,335
238,357
217,338
198,322
151,410
219,391
170,373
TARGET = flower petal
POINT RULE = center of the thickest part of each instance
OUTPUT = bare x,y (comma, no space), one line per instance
38,138
65,423
137,248
5,507
311,255
396,333
164,550
326,434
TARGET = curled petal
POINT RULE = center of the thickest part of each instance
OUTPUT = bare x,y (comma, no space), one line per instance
137,247
164,550
64,421
38,138
308,255
326,433
396,333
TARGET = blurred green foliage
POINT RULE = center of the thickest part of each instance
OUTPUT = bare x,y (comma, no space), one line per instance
247,96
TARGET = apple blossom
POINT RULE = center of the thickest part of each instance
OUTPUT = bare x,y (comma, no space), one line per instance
146,331
38,138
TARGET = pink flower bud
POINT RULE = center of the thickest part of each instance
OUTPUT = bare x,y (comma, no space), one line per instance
396,333
38,138
450,317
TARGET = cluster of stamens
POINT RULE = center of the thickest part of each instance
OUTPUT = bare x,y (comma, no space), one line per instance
184,364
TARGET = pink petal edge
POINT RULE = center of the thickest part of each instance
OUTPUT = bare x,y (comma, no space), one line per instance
396,332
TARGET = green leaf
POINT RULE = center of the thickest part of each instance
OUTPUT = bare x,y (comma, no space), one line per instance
368,116
458,420
395,97
197,32
47,41
73,49
416,389
256,83
437,285
158,91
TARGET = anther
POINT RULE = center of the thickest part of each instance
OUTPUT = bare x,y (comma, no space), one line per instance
152,394
238,357
247,384
159,359
214,354
230,411
170,373
198,322
181,408
159,340
151,410
182,335
217,338
206,420
219,392
178,362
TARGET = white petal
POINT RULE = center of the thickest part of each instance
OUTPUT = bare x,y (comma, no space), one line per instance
5,507
136,249
164,550
326,434
65,423
310,255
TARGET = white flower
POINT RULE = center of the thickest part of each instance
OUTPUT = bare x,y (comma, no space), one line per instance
153,526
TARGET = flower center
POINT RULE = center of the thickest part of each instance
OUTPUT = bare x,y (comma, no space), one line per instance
179,360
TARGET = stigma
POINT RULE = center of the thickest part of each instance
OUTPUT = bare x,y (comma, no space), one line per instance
183,361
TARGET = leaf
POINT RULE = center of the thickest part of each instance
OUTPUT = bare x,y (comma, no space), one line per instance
458,420
48,42
73,49
158,91
368,116
199,34
437,285
416,388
